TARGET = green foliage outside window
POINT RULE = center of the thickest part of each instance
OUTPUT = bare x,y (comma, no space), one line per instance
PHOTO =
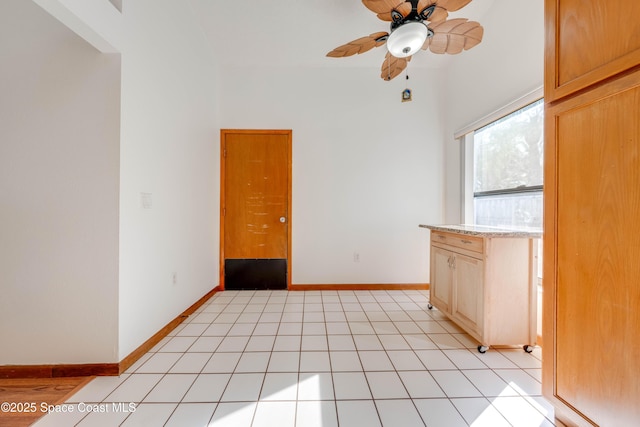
508,153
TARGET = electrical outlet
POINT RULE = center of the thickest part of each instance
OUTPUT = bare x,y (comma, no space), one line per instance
174,278
356,257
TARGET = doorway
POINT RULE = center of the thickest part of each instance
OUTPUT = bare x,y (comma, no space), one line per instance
255,209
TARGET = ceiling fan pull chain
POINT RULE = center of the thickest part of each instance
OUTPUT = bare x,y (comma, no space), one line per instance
406,93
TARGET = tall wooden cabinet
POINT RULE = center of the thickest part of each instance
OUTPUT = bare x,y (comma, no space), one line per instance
591,322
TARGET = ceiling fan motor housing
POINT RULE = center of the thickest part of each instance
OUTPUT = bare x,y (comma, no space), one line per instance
397,19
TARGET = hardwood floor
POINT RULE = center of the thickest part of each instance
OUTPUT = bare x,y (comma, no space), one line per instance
25,400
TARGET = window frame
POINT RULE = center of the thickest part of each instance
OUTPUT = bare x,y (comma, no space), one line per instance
465,136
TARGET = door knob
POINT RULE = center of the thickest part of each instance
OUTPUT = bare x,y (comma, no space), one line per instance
283,219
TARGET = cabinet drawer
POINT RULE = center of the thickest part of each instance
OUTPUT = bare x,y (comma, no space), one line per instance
470,243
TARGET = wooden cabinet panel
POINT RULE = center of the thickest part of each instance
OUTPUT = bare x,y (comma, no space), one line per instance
468,292
442,277
595,218
588,42
469,243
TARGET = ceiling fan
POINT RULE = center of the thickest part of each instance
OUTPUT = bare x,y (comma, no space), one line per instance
415,25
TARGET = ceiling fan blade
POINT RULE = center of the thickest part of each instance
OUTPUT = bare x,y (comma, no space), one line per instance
439,14
472,32
441,8
453,5
382,6
361,45
423,4
454,36
437,44
403,8
392,66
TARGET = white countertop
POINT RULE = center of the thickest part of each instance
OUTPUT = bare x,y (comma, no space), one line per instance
486,231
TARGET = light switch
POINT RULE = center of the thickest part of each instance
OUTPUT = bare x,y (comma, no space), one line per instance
146,201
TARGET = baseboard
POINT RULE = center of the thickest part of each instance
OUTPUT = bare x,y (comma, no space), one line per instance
57,371
101,369
360,287
155,339
110,369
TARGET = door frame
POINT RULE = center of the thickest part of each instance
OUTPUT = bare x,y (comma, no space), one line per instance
223,134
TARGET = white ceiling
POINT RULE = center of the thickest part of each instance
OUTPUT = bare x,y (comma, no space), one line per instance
301,32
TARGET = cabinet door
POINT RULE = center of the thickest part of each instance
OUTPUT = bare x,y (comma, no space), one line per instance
592,297
588,42
468,291
441,277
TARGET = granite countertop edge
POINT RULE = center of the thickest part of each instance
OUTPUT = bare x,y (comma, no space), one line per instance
485,231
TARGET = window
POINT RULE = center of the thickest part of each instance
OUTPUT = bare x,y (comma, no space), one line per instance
503,167
508,169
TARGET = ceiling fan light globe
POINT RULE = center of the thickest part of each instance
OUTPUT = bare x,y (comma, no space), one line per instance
407,39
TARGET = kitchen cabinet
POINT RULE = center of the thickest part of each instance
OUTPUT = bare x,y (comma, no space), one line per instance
456,285
591,316
467,305
442,274
485,280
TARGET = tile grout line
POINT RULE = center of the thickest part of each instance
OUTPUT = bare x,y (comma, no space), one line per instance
198,375
276,306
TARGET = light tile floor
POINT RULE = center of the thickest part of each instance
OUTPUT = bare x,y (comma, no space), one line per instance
317,358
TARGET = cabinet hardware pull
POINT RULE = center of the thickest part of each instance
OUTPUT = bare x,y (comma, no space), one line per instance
451,261
468,242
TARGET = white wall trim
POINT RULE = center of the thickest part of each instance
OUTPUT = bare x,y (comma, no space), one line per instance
97,21
466,180
515,105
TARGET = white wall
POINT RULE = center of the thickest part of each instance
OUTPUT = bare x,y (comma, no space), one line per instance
367,168
59,135
169,148
505,66
88,273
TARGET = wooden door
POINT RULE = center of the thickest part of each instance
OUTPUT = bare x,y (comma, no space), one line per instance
255,209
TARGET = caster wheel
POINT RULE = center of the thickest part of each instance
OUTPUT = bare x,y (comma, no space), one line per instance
528,348
483,348
429,306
